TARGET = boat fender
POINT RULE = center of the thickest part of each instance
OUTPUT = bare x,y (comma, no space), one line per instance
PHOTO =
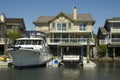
56,61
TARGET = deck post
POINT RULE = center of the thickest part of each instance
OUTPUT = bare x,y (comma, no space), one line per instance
88,50
114,53
82,54
61,54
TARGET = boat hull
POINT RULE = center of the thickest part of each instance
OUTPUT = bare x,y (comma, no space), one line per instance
24,57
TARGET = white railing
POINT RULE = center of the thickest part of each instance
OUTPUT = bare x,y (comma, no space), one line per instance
109,41
115,30
71,57
104,41
70,40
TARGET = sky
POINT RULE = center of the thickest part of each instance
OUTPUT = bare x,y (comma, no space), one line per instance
30,10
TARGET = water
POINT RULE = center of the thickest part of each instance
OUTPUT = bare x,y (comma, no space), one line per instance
103,71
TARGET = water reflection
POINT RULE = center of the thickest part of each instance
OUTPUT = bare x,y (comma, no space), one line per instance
103,71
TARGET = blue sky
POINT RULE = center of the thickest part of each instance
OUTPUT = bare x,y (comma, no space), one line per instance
30,10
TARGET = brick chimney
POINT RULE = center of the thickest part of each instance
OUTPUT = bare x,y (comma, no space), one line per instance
75,13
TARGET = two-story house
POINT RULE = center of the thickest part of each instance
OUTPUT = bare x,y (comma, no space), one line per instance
15,24
110,36
6,25
67,34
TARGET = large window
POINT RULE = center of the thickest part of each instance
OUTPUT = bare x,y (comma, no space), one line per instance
29,42
82,26
61,26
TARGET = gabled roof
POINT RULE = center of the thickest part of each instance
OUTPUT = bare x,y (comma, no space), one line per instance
102,32
15,20
43,19
114,19
80,17
60,14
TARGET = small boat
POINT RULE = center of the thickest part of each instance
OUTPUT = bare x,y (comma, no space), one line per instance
30,51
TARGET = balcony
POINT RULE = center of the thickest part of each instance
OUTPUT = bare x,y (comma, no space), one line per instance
2,41
110,41
115,40
104,41
115,29
69,41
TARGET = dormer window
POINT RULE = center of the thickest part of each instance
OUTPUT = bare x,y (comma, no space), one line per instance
61,26
82,26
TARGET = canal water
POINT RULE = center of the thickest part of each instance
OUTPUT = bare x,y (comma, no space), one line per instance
103,71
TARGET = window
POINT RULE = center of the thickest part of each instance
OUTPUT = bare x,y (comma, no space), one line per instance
57,37
116,25
21,42
34,42
39,42
58,26
69,25
61,26
9,27
53,26
28,42
82,26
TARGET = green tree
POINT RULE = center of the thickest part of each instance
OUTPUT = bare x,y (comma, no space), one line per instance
95,38
14,34
102,50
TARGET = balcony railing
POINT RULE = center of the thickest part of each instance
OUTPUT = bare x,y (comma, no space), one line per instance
115,30
115,40
104,41
70,41
110,41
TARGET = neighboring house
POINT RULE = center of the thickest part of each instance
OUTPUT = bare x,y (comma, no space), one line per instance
2,32
67,34
15,24
9,24
110,36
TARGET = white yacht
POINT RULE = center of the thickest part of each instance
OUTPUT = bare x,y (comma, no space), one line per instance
30,51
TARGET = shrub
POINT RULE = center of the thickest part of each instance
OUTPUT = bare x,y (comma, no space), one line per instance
102,50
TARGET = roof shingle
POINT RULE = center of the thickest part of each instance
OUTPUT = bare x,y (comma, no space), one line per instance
80,17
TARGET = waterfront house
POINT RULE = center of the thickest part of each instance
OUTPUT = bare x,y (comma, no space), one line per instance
15,24
67,34
2,32
110,36
6,25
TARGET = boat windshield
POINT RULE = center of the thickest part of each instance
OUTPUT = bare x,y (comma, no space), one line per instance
29,42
